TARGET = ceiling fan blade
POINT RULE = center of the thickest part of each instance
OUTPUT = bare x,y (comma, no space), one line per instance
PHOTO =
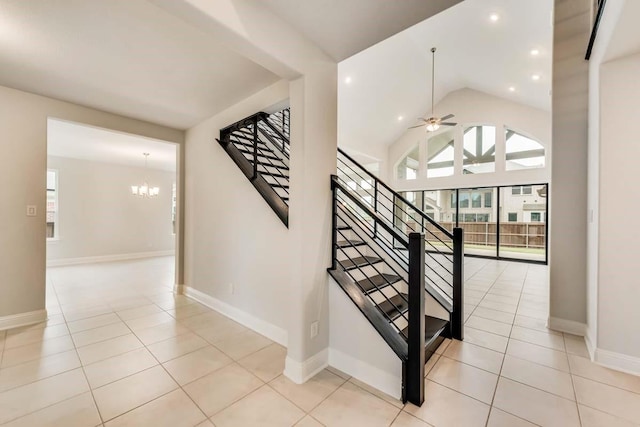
448,116
448,124
418,126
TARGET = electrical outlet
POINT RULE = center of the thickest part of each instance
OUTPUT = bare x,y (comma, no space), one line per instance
232,289
314,329
32,210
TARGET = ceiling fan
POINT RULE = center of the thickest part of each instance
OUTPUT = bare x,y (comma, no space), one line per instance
434,122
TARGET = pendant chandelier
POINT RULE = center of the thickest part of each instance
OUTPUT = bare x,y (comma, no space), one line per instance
145,190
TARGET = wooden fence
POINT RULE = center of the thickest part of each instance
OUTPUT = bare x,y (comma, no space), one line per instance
512,234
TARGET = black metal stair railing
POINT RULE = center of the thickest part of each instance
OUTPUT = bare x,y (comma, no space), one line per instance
400,296
261,151
440,260
387,254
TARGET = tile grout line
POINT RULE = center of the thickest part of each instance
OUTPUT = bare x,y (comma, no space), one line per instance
79,360
318,404
495,391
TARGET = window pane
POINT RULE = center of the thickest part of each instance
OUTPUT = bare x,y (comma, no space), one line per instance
488,196
523,152
464,200
408,167
52,204
479,150
476,199
478,221
440,154
51,180
515,190
523,228
453,199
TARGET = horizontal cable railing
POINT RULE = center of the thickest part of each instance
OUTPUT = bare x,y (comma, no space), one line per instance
404,218
262,150
281,120
360,231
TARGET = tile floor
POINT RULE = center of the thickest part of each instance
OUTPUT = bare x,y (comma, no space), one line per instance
119,349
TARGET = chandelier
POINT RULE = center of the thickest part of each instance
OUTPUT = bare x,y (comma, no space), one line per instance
145,190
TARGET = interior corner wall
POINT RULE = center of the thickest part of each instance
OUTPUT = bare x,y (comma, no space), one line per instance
568,189
98,216
236,247
23,132
618,284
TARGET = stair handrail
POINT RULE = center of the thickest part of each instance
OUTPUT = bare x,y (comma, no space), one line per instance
400,197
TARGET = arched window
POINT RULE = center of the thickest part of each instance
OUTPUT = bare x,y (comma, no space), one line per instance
408,167
440,153
523,152
479,150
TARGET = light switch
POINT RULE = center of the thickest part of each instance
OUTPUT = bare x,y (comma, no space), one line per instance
32,210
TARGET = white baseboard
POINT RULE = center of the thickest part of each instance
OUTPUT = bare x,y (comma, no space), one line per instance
178,289
269,330
301,372
106,258
589,340
22,319
368,374
568,326
617,361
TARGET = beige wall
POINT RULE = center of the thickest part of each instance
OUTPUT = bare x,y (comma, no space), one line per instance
98,215
568,190
23,132
618,284
233,237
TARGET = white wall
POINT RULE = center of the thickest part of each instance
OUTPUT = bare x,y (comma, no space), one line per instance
98,215
232,235
568,190
618,284
474,108
23,131
356,348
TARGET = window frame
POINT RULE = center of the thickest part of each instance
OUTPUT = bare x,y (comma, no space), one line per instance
56,214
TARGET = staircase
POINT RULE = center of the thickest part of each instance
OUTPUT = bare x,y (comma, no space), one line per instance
396,264
259,145
401,269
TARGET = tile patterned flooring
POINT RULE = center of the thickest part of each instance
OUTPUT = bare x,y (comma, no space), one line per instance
119,349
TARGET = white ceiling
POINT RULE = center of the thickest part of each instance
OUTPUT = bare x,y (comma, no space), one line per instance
393,78
129,57
343,28
66,139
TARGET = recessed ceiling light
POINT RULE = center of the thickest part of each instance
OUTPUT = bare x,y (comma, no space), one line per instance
494,17
512,89
535,77
400,118
347,80
535,52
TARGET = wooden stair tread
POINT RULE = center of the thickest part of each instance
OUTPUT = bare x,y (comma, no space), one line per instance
395,306
378,281
350,243
433,327
360,261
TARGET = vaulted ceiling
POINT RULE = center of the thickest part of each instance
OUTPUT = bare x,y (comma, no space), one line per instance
392,79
